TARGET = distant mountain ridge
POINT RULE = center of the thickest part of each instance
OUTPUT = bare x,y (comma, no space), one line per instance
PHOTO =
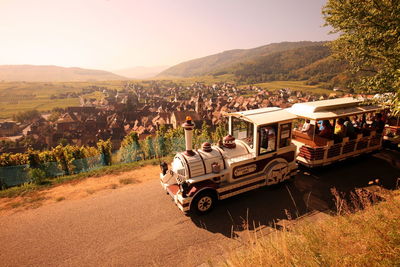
48,73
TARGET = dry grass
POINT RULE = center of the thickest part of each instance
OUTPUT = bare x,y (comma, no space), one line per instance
32,202
119,170
58,199
127,181
113,186
369,237
73,189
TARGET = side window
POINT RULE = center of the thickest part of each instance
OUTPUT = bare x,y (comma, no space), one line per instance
268,138
284,139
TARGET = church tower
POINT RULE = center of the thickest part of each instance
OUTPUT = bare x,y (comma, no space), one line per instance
199,104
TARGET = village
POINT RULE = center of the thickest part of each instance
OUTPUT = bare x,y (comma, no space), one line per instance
141,110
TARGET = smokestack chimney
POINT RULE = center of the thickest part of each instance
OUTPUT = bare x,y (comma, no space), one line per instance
188,126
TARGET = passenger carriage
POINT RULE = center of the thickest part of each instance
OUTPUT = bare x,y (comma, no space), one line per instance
258,151
314,150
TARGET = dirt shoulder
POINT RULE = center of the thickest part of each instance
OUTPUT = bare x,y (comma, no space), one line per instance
78,189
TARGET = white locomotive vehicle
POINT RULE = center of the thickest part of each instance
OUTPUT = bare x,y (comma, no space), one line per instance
258,151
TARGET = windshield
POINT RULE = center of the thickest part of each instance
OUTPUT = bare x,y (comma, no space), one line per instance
243,130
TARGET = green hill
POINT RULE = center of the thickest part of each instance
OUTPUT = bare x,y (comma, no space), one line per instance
280,65
306,61
32,73
214,63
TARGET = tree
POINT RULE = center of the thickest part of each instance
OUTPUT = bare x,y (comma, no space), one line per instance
27,116
175,139
369,40
105,151
205,132
62,158
220,132
161,142
130,148
149,147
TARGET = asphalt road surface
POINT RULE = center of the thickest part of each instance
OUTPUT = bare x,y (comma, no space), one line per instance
140,225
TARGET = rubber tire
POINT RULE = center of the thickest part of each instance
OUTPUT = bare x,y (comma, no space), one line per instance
203,197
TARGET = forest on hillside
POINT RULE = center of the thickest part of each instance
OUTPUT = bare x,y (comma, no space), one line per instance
311,62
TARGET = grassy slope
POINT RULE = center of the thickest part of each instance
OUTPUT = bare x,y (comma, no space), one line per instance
284,63
207,79
23,96
106,170
370,237
294,85
210,64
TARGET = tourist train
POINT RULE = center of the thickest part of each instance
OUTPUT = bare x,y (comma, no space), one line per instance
264,146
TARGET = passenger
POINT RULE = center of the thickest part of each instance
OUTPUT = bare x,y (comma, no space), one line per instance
316,128
307,128
384,114
356,122
362,121
365,130
340,129
321,125
369,117
329,124
378,124
350,132
327,130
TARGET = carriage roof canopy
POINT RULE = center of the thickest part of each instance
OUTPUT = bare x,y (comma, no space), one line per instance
330,109
264,115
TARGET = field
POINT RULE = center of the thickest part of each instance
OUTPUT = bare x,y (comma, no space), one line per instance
294,85
22,96
204,79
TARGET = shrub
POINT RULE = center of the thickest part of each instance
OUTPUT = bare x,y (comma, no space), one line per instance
104,148
61,158
8,159
36,176
130,148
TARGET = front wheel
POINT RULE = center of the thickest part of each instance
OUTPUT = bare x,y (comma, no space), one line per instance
203,203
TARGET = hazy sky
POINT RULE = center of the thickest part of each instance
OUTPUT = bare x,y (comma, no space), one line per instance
115,34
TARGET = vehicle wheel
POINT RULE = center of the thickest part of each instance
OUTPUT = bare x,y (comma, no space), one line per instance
203,203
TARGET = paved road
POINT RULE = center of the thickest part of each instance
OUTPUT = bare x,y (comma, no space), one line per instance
139,225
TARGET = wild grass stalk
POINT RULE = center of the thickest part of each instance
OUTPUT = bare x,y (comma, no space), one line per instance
364,232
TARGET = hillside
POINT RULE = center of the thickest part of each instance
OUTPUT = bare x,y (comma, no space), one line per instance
299,61
141,72
307,63
226,59
32,73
